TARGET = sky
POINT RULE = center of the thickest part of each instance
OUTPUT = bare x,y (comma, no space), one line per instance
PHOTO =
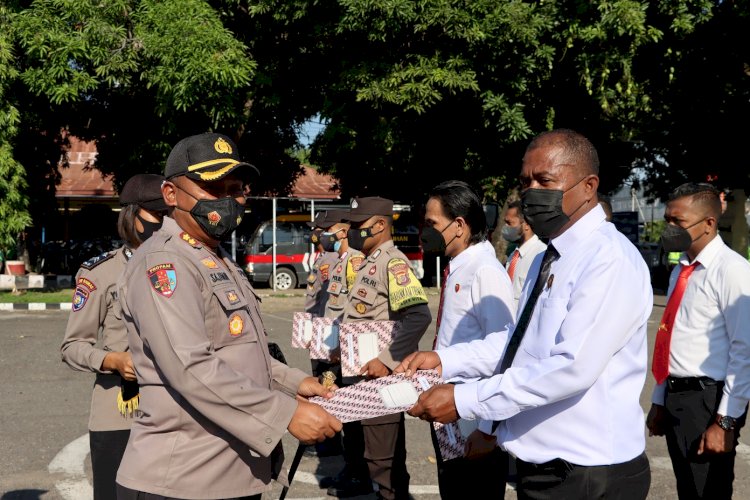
310,129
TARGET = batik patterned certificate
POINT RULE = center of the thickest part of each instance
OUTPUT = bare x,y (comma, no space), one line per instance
325,339
452,437
377,397
362,341
302,330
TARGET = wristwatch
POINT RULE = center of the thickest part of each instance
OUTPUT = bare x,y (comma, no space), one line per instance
725,422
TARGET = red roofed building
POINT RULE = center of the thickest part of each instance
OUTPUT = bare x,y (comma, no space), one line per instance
82,184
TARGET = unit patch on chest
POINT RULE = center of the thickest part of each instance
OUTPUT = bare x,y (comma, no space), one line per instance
361,308
232,297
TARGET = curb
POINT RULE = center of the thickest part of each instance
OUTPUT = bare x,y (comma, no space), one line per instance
35,306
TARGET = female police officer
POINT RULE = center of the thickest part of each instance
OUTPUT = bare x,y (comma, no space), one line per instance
96,338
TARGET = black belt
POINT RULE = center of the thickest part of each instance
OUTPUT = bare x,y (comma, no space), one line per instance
681,384
557,467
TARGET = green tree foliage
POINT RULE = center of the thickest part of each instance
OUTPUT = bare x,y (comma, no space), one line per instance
701,95
414,91
460,87
14,215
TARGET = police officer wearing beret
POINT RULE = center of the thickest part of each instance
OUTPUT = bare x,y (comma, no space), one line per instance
385,289
95,338
214,403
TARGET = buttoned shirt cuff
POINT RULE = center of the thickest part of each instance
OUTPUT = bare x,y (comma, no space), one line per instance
290,381
659,396
732,407
465,398
96,358
450,362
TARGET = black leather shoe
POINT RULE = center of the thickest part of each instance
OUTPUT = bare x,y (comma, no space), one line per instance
351,487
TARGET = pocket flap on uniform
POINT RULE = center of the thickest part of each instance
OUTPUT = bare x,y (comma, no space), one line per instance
230,297
365,294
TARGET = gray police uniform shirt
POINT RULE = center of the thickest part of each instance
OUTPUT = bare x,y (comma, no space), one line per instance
384,288
316,294
342,279
95,328
214,404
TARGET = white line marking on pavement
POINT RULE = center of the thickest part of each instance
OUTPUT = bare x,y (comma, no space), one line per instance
69,461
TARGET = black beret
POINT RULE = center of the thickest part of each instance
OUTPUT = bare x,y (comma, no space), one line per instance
320,221
144,190
364,208
206,157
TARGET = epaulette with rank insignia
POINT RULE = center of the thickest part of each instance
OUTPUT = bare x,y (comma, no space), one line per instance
95,261
190,240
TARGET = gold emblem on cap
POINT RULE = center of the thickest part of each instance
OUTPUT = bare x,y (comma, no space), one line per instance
222,146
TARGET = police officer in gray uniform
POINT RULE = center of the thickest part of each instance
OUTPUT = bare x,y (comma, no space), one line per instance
214,403
316,294
385,289
316,297
95,338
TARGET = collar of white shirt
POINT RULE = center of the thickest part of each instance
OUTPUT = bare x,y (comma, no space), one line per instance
579,231
471,253
707,255
527,245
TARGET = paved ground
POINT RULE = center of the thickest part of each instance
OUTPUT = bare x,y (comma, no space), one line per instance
44,412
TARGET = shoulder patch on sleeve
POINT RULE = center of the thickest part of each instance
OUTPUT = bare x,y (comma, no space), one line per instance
163,279
404,289
84,287
95,261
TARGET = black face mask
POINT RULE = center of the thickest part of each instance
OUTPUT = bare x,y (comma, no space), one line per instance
149,228
433,241
357,237
218,217
329,241
676,238
542,209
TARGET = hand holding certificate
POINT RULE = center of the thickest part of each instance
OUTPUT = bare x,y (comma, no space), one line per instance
378,397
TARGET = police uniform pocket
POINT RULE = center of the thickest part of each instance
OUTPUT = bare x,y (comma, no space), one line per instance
551,312
237,327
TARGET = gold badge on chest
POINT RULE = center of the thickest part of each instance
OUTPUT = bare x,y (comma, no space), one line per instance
236,325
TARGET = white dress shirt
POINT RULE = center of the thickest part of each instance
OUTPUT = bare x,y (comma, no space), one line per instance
527,253
478,297
573,389
711,332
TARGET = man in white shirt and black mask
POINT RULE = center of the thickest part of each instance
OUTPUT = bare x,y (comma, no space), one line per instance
702,350
565,391
475,299
518,231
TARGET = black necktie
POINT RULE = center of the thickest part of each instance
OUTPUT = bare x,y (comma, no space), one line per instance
523,322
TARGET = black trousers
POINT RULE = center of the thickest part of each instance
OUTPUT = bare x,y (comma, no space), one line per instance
691,412
559,479
460,478
385,454
331,446
107,449
124,493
